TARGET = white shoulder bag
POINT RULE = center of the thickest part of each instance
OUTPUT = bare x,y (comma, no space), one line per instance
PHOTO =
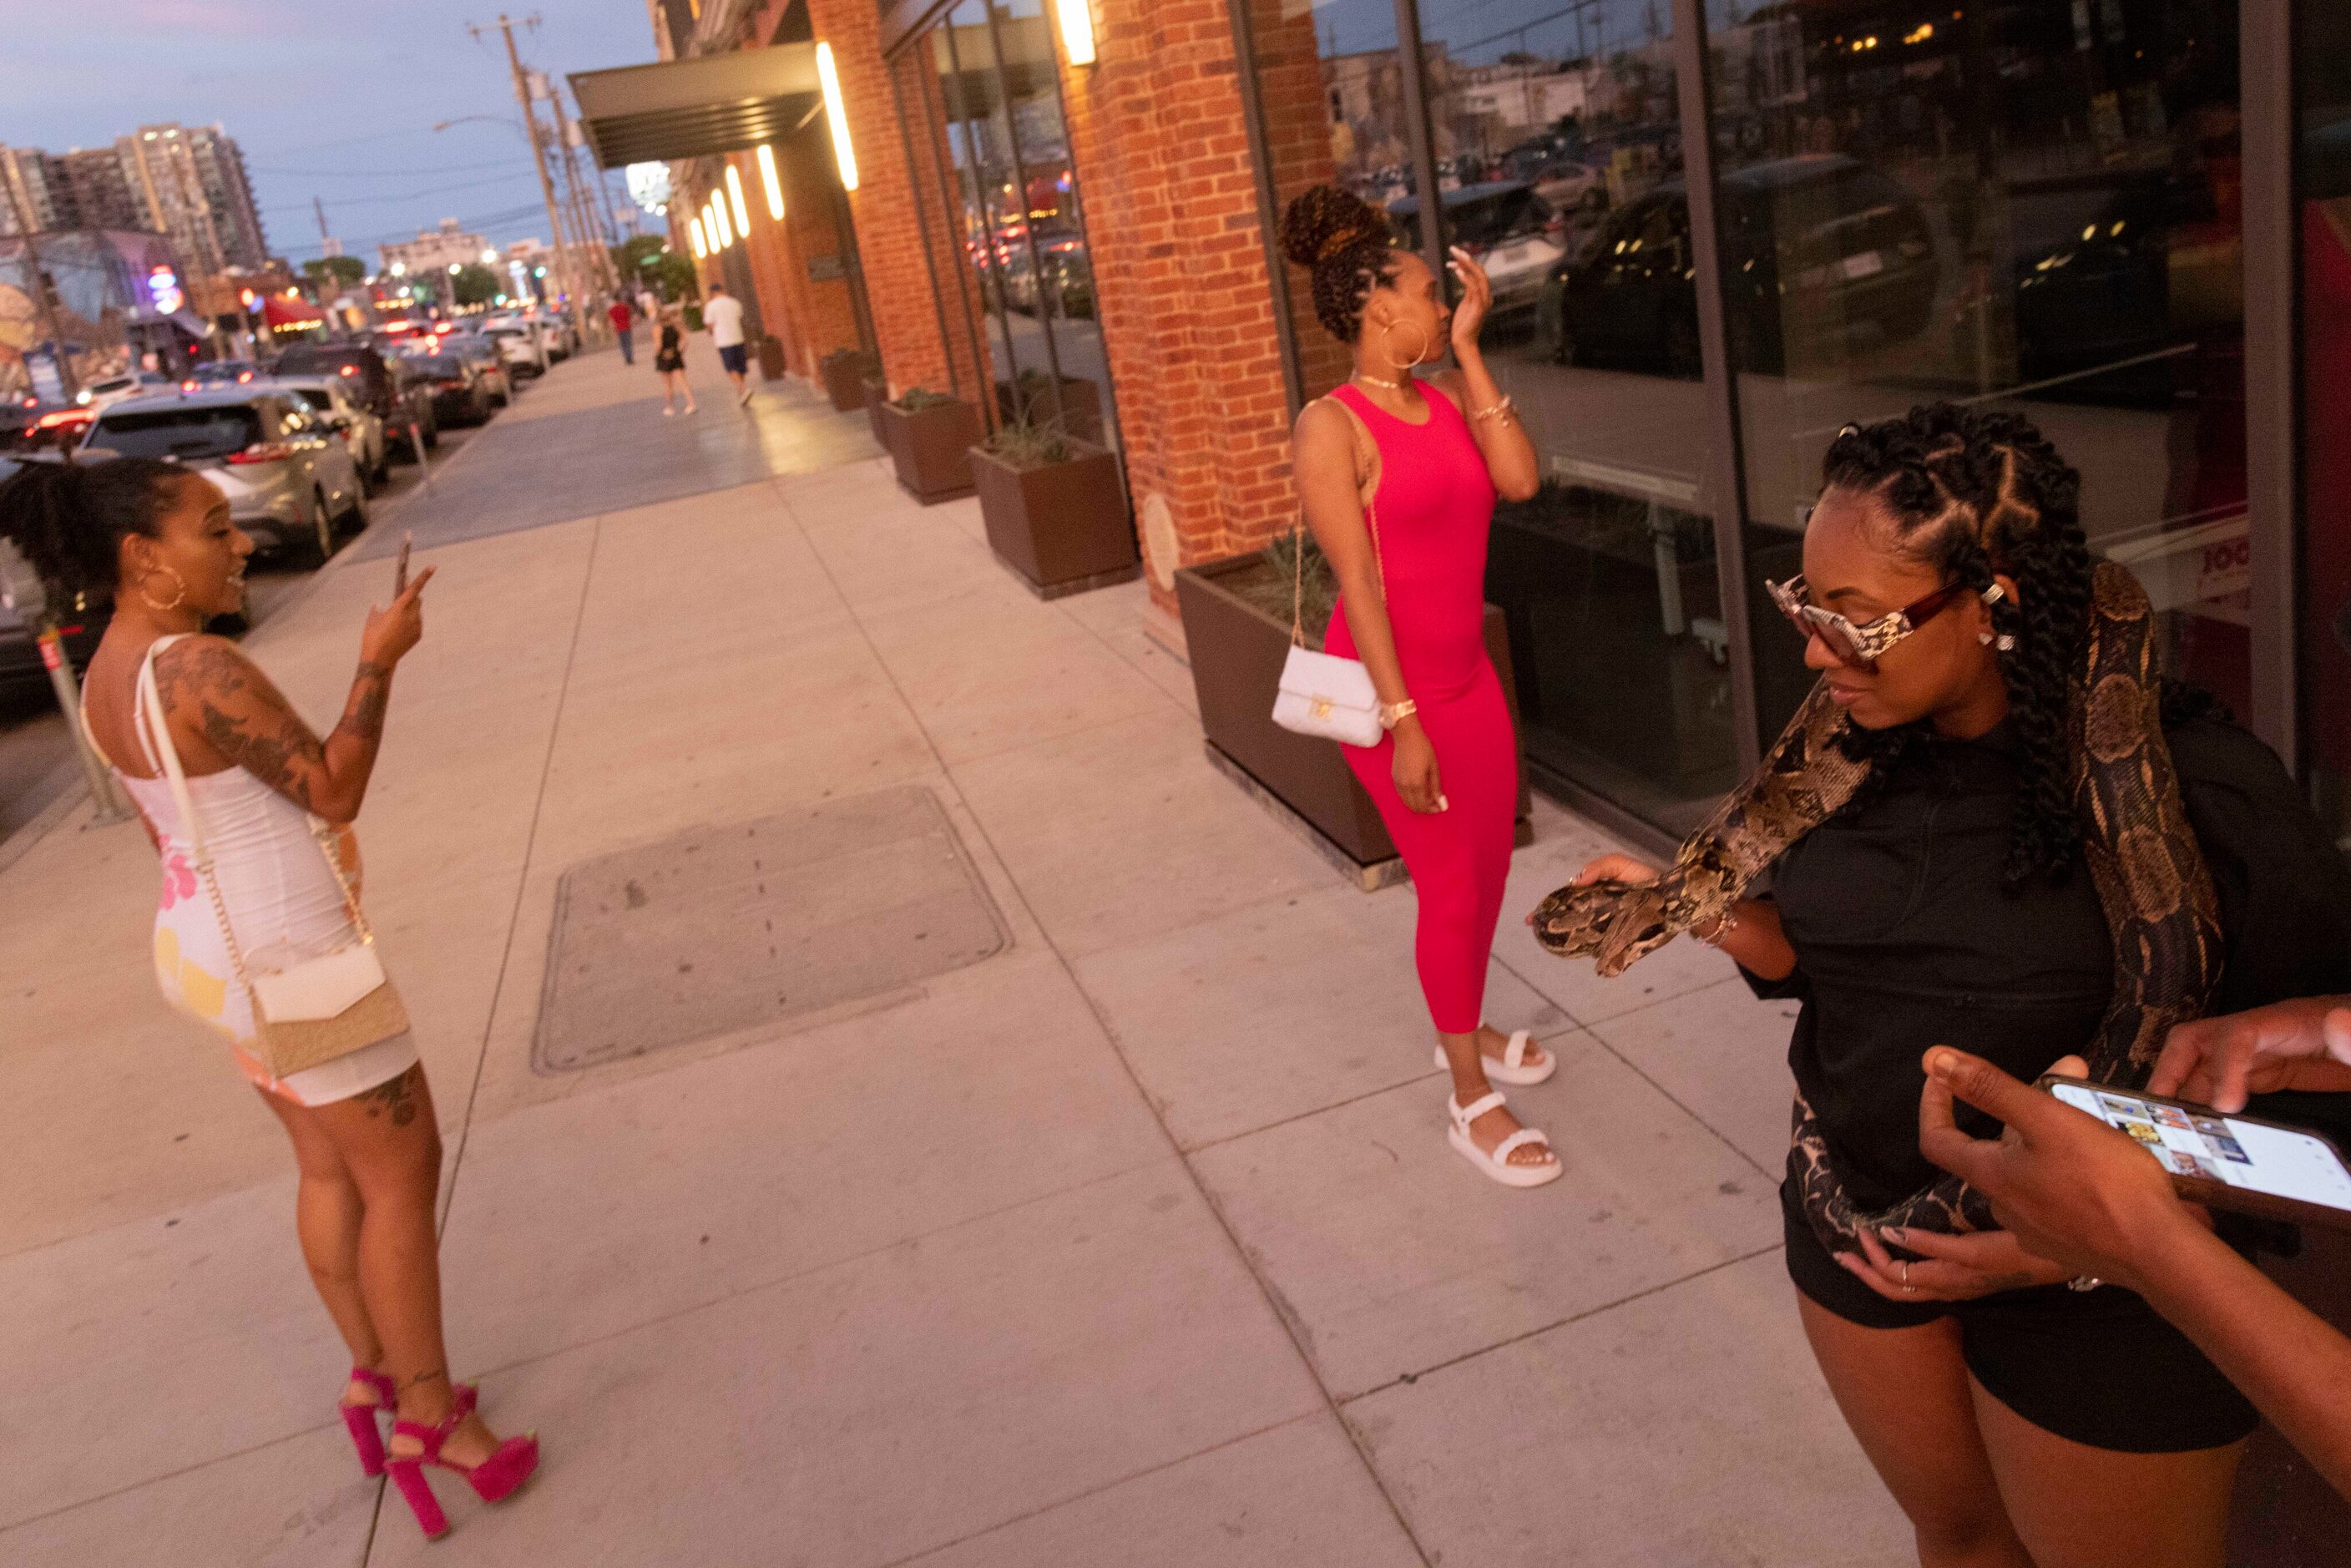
317,1011
1324,694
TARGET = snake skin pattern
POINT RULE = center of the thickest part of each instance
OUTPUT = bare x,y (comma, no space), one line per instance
2141,850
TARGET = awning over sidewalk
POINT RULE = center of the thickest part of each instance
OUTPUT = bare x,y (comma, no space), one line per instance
696,108
282,312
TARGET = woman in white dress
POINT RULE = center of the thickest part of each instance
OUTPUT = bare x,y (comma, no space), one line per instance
272,800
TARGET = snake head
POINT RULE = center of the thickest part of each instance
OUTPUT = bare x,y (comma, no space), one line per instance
1612,922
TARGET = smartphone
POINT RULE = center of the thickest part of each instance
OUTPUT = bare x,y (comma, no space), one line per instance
400,572
2239,1163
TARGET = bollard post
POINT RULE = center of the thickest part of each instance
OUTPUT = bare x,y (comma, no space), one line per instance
424,464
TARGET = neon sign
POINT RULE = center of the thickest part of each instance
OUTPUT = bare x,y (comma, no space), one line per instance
164,289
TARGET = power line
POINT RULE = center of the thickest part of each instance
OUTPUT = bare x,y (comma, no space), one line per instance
407,196
387,173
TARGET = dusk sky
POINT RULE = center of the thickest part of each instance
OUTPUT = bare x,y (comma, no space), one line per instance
336,102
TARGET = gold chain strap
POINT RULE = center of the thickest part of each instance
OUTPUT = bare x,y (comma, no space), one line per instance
1298,534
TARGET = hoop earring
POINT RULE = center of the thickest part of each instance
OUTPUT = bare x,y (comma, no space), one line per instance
178,599
1403,364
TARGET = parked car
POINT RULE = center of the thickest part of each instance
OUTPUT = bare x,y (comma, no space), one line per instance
332,400
522,343
100,394
1822,249
33,424
2112,268
488,357
289,479
24,676
221,372
1514,234
378,386
459,396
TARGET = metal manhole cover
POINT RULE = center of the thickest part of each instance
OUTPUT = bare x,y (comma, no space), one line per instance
729,927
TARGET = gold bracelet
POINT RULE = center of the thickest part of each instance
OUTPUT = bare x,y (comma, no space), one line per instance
1395,714
1496,411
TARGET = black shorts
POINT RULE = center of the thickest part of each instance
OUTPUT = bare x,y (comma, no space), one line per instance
735,357
2097,1368
668,362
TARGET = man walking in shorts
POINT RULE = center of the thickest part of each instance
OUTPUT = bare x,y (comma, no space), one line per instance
724,313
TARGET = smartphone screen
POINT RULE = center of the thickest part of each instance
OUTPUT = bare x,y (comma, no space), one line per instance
2259,1156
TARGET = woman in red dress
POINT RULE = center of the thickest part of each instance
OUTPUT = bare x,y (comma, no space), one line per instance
1419,462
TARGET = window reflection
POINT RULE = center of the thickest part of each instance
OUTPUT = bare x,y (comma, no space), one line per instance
1023,229
2324,55
1556,135
2030,205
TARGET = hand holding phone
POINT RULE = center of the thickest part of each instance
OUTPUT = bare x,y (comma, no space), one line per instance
2233,1161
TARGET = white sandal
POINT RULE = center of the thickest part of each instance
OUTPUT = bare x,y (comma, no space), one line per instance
1510,1066
1497,1165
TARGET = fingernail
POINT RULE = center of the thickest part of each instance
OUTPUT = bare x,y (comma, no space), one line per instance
1939,1064
1895,1233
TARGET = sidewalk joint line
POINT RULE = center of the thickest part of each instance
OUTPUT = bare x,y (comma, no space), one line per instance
1404,1378
1241,1253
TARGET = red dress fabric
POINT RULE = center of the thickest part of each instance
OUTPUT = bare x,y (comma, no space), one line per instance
1433,510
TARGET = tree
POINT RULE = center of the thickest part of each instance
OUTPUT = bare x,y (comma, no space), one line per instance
476,285
633,252
648,260
335,271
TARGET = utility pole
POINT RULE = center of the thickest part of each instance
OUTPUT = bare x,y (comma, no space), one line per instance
326,240
41,299
592,233
563,278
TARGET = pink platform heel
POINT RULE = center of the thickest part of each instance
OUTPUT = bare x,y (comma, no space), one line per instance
495,1479
359,1421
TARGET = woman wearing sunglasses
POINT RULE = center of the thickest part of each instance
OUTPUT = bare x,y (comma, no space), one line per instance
2022,1417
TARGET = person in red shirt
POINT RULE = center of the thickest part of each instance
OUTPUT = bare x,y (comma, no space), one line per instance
622,317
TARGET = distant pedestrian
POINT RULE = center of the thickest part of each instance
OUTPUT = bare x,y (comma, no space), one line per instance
622,322
669,358
724,316
251,812
648,306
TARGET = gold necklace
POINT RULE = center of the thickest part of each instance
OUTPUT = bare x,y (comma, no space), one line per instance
1376,382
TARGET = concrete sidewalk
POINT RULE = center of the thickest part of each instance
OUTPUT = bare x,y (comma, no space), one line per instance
1135,1243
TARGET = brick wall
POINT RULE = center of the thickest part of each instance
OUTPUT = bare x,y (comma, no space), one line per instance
889,238
1163,164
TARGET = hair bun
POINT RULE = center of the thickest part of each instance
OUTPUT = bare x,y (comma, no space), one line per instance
1325,221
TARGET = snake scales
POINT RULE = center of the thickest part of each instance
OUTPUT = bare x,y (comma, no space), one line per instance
2150,878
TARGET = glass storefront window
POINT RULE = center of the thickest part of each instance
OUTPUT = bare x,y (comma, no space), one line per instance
2031,206
1022,228
2322,53
1555,132
1332,101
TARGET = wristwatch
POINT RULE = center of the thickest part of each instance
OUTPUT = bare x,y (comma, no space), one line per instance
1395,714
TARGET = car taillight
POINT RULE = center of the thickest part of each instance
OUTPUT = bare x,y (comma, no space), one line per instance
263,452
450,383
351,370
63,416
187,386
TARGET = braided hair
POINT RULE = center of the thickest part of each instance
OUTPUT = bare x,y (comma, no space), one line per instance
1972,492
70,519
1343,242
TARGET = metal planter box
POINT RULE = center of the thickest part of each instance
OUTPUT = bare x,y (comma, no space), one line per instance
1062,526
1236,652
845,372
932,448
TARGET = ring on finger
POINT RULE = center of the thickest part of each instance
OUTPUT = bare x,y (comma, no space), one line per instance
1906,1277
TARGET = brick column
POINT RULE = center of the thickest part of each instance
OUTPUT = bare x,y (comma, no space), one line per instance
1179,269
889,240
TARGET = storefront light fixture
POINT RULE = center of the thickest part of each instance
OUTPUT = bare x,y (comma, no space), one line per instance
735,194
775,185
1076,19
694,232
719,218
836,115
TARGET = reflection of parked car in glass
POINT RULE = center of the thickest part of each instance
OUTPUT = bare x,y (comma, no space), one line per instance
1813,248
2113,269
289,479
1513,233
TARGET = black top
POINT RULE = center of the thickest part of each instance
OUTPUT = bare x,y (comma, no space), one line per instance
1904,940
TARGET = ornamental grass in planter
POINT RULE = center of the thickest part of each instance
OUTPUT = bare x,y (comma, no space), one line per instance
930,435
845,372
1055,509
1237,628
1030,399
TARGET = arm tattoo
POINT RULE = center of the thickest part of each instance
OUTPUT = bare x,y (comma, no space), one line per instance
243,717
370,694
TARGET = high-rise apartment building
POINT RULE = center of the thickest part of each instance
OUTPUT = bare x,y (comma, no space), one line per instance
189,182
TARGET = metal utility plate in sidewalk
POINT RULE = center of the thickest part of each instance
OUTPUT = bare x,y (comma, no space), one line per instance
734,927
